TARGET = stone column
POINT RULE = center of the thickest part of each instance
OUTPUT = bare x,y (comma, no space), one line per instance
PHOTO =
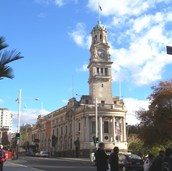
87,130
113,129
101,129
124,128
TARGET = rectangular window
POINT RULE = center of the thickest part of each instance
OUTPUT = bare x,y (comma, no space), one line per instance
57,132
79,127
98,71
102,71
106,71
66,129
93,127
106,127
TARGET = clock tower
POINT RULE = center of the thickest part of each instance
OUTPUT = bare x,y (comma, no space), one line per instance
100,78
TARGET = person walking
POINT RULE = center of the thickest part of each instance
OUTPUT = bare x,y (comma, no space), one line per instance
114,159
148,162
2,157
167,160
157,162
101,158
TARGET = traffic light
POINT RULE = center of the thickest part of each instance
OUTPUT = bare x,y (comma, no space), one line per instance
97,140
17,136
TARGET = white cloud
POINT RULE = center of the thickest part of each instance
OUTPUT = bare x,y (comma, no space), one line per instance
59,2
46,2
84,68
1,100
27,116
79,36
133,105
137,43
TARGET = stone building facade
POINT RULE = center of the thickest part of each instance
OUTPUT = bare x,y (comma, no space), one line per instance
71,130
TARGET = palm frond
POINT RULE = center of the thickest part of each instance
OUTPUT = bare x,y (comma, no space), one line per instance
9,56
6,71
2,43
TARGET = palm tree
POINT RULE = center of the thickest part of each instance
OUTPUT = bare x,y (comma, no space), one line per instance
5,58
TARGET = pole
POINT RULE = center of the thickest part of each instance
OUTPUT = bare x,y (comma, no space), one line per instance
96,121
19,109
18,125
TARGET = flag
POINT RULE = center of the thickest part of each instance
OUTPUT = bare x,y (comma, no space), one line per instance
169,50
100,7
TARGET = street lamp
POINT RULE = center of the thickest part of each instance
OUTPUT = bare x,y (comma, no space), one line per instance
18,123
96,112
169,50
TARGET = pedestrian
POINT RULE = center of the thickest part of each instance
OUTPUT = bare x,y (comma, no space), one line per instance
101,158
157,162
2,157
114,159
167,160
148,162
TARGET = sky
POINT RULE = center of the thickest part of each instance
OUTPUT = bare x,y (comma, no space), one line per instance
54,38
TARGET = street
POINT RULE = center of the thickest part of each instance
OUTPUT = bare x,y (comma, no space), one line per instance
50,164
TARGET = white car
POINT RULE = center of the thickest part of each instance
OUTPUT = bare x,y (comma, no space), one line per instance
42,154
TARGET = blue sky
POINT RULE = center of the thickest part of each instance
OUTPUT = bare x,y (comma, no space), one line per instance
54,38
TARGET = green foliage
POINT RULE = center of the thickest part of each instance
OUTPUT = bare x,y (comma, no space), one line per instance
157,121
137,145
5,141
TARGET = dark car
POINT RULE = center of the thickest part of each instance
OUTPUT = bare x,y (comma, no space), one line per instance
131,162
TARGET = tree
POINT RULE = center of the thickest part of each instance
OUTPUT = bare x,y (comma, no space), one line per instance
5,58
156,122
5,138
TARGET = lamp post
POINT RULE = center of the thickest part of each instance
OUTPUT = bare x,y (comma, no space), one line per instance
96,121
96,112
18,123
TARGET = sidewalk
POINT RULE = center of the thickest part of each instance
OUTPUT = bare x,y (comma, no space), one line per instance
8,166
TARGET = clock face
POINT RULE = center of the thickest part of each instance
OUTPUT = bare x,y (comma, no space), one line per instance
101,53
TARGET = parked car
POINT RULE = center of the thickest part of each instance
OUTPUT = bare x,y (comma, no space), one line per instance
130,161
30,153
42,154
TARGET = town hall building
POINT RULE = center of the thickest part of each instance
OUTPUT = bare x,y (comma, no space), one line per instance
75,129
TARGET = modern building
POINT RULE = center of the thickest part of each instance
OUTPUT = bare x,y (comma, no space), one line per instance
99,116
5,121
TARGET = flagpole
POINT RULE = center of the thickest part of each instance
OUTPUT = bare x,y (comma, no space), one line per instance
99,8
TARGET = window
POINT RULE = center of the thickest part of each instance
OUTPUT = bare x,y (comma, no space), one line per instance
102,102
97,70
106,127
57,132
93,127
79,127
61,130
95,39
106,71
101,70
100,36
66,129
